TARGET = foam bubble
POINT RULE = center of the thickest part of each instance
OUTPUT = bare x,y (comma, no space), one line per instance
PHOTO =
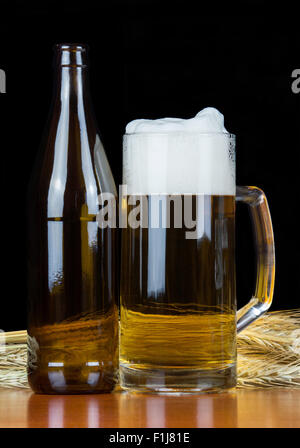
177,156
207,120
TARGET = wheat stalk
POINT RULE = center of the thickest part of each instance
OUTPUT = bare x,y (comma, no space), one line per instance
13,359
268,353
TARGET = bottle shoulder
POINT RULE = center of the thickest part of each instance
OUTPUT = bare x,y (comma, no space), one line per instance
68,178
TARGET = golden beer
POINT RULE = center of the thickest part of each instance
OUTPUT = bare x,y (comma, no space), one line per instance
178,301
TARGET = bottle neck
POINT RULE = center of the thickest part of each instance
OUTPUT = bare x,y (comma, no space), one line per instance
71,77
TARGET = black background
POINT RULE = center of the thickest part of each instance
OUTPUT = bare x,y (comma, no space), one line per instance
153,59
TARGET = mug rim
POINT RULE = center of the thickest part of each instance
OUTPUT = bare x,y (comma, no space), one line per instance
187,133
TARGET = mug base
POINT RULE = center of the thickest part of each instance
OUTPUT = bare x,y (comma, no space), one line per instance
177,381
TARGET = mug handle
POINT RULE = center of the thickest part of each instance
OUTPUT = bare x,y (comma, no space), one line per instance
265,255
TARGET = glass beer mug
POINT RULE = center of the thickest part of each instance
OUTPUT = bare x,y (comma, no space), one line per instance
178,292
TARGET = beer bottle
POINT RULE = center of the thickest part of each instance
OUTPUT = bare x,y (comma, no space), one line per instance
72,275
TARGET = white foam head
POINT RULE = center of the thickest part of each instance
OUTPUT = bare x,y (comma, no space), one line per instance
178,156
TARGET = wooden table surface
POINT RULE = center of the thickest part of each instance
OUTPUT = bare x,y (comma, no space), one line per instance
237,409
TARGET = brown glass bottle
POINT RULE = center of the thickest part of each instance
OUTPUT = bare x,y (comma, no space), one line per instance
72,269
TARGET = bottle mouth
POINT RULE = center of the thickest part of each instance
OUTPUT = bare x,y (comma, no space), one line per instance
71,55
71,47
